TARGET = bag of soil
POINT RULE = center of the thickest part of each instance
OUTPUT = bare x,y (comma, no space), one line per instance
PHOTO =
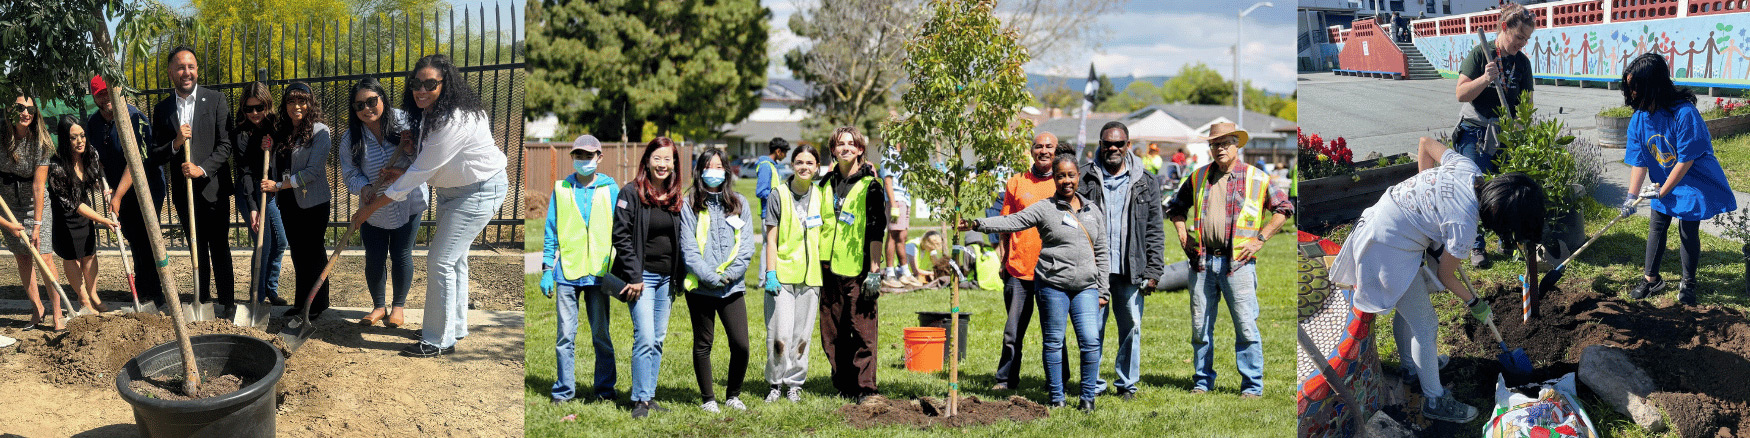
1553,412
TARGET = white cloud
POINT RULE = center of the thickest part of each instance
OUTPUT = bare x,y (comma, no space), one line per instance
1160,43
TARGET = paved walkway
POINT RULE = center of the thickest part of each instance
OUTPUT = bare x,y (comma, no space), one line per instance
476,317
1387,116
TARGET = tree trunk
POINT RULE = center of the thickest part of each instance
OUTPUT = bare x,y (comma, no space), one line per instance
954,332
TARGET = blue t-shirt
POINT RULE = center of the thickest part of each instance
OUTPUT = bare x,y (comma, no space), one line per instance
1659,140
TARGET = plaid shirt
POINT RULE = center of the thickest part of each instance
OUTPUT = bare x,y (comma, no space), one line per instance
1276,201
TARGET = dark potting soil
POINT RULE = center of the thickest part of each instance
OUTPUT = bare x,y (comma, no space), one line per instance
926,412
95,347
1698,356
170,387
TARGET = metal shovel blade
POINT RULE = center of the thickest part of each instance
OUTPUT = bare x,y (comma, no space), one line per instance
297,330
147,307
242,315
199,311
259,312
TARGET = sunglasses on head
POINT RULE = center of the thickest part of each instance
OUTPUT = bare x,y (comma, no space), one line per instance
252,109
369,102
427,84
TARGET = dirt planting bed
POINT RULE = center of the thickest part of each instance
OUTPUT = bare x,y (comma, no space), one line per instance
927,412
1699,357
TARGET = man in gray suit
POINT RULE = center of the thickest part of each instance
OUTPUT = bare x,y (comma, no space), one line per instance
199,119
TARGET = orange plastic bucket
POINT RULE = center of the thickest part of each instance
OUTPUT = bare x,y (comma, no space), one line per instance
923,348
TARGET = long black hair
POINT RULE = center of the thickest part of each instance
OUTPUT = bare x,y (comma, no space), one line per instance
456,96
62,178
1512,205
298,135
1651,88
731,205
355,128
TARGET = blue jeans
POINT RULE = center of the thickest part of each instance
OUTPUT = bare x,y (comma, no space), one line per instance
383,245
1240,291
1468,143
649,327
1057,309
595,301
462,213
273,246
1127,307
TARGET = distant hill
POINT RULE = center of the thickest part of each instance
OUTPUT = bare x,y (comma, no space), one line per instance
1038,83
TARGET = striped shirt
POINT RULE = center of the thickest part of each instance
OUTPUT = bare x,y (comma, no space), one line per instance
377,153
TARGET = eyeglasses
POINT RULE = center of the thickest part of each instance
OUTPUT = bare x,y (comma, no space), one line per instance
252,109
369,102
1223,144
20,108
428,85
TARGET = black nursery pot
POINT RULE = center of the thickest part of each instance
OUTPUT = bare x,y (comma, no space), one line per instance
249,412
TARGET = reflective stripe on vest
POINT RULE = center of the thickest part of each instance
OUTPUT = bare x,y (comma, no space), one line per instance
1251,218
843,229
586,253
699,235
797,257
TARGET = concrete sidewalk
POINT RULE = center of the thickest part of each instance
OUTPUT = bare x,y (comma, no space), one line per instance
1387,116
507,318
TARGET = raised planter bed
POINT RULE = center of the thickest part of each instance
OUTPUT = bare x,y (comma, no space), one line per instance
1728,126
1330,201
1613,131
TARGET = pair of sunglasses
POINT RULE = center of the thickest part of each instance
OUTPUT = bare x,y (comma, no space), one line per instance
252,109
369,102
19,108
428,84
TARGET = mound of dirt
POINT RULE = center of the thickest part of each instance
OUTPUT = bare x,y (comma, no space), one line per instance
926,412
1698,356
171,388
95,347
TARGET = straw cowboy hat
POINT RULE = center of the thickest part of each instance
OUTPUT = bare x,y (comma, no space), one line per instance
1220,130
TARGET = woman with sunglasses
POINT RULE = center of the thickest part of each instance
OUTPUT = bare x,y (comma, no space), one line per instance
374,132
255,125
75,179
300,163
24,173
458,157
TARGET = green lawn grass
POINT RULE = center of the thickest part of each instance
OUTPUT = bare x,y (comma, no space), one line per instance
1613,265
1734,155
1163,407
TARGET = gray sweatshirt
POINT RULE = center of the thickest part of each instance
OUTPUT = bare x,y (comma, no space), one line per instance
703,260
1067,244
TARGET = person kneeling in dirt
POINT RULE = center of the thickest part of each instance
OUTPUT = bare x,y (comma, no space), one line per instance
1668,141
920,257
1436,210
1072,230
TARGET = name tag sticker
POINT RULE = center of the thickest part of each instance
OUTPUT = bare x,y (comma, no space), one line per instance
811,221
734,222
847,217
1071,221
622,203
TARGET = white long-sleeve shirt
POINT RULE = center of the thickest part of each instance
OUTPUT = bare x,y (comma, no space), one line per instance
460,153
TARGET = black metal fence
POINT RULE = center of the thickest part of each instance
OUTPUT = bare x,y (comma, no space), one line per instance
486,44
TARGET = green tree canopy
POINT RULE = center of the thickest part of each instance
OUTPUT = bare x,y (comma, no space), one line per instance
610,66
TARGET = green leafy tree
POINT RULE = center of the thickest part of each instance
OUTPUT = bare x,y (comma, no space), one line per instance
1198,84
1137,95
1105,92
610,66
853,60
958,119
1060,97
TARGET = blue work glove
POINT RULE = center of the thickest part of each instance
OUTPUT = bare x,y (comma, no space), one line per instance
772,282
1629,205
548,281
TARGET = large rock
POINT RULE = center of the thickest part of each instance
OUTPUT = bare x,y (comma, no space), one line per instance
1382,426
1608,372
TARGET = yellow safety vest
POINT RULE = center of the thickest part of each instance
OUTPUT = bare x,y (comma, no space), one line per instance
699,235
587,253
843,228
797,258
1251,218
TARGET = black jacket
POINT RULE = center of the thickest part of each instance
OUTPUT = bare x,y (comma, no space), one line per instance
630,217
210,146
1145,235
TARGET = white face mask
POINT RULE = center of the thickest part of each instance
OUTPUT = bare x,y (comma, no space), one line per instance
713,177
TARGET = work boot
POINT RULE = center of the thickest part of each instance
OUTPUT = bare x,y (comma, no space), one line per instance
1448,409
1087,405
1647,288
1686,293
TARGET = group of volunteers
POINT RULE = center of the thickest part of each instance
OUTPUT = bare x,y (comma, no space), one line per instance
1079,242
1415,239
273,148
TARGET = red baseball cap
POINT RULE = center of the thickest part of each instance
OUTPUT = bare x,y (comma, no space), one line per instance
97,85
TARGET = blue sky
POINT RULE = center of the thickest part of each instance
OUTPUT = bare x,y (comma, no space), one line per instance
1149,38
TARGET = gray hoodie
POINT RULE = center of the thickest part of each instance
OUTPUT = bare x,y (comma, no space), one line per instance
720,240
1067,244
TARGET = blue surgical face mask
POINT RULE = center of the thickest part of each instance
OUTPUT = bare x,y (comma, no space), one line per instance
713,177
584,167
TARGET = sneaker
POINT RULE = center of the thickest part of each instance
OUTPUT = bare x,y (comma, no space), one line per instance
735,402
1478,260
1087,405
640,409
912,281
1413,380
795,394
772,397
1000,387
1195,391
1686,293
426,350
892,283
1448,409
711,406
1647,288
